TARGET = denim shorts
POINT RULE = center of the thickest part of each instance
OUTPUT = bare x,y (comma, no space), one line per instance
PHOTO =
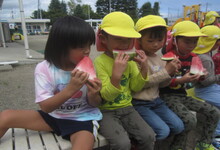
65,127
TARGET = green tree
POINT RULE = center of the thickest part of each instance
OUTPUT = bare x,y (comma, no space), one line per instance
156,8
35,14
78,11
145,9
71,5
127,6
56,10
102,7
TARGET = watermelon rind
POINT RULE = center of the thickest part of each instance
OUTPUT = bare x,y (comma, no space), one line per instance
131,53
168,56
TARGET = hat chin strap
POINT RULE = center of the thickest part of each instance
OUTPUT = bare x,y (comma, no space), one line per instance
177,49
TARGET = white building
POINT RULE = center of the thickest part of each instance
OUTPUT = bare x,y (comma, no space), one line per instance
32,25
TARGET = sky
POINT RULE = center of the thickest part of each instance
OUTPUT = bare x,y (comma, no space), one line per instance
10,8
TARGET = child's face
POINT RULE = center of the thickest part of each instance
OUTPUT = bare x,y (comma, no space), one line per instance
115,42
76,54
186,44
151,45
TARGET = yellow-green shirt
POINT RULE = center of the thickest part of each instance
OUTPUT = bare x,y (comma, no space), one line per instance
132,80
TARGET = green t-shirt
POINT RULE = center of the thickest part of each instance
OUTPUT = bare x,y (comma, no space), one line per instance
132,80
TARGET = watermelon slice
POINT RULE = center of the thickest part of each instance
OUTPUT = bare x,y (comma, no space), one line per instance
130,52
196,66
168,56
86,65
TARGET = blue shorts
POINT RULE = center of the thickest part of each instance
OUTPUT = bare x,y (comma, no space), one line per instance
65,127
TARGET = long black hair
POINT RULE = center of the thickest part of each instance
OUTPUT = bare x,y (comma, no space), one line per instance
67,33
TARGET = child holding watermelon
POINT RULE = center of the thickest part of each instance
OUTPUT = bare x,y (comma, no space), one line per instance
208,89
147,101
66,96
119,77
185,37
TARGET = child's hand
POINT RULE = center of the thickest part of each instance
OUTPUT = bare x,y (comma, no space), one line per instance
141,59
173,66
120,64
78,79
190,78
94,87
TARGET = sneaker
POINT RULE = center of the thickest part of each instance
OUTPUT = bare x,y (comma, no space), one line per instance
204,146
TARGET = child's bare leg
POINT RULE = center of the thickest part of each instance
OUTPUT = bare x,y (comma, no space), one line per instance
28,119
82,140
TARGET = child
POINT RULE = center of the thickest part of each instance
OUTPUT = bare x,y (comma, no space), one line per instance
66,96
212,18
147,101
216,60
185,37
207,89
119,77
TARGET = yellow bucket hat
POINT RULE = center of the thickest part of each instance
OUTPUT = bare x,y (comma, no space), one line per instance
210,17
187,29
150,21
119,24
205,44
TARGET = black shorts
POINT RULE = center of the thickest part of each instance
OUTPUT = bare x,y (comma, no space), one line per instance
65,127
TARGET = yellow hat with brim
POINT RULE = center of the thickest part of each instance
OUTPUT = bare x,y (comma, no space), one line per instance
210,17
150,21
205,44
119,24
187,29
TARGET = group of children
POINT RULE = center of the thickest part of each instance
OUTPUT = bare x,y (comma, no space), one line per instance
140,101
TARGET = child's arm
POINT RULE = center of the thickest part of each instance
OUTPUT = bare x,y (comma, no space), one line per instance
94,87
187,78
78,79
142,61
120,65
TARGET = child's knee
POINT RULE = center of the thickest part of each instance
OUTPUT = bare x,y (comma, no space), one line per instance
5,117
190,122
163,133
178,127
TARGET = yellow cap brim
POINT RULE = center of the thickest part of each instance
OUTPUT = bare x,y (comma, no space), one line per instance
151,26
131,33
204,46
192,34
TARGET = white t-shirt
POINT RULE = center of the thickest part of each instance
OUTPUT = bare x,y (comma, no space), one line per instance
50,80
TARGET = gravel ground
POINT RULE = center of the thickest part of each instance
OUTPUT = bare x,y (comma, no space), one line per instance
17,88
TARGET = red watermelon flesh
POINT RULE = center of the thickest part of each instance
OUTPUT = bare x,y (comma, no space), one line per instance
168,56
86,65
130,52
196,66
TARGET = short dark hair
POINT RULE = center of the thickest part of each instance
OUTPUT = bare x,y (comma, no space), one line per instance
155,32
67,33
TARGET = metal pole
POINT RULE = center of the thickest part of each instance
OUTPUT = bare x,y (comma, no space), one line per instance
110,6
2,32
24,29
2,35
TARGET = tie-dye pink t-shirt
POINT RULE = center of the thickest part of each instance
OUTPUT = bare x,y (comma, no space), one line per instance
50,80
